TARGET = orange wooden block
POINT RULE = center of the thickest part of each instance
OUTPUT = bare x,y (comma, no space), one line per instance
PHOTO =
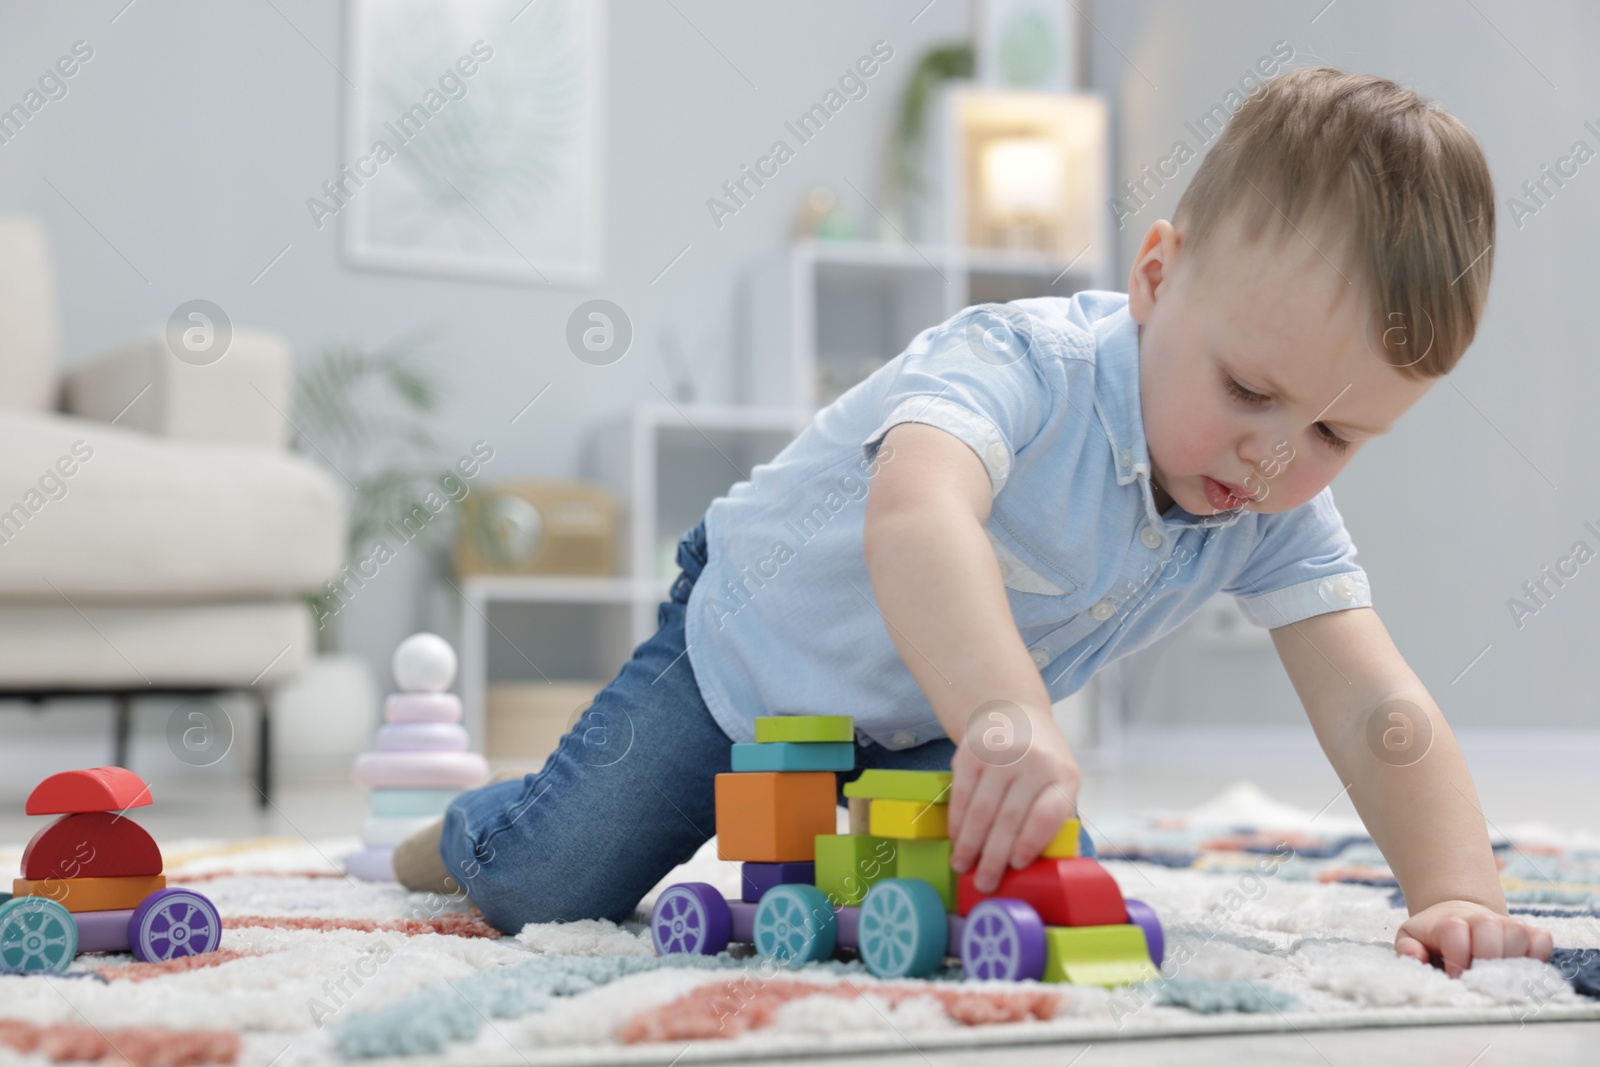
91,894
91,844
92,789
774,816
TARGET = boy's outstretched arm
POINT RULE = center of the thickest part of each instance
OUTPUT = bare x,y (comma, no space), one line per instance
938,585
1406,776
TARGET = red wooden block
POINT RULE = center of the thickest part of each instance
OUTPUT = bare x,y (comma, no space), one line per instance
91,844
1065,892
93,789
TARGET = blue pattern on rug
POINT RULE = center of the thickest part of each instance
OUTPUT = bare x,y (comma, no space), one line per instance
1213,995
433,1017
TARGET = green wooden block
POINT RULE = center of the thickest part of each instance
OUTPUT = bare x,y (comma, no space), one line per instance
932,787
790,756
930,862
802,728
1097,955
850,864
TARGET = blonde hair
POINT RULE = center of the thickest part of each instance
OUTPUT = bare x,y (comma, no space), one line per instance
1400,186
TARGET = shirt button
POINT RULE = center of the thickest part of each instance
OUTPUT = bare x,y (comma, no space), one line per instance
997,455
903,738
1339,590
1151,537
1102,609
1041,657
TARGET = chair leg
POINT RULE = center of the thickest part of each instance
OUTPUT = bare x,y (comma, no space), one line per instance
264,746
121,725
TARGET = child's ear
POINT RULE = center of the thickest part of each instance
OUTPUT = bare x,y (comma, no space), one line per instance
1153,265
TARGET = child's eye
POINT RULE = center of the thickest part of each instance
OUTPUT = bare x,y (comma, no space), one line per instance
1333,440
1241,393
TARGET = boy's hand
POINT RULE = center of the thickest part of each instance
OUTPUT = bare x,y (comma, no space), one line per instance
1460,930
1014,782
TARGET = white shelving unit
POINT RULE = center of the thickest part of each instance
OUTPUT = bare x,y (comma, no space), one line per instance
824,314
666,463
818,317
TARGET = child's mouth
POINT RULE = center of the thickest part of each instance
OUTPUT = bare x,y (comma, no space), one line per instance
1220,496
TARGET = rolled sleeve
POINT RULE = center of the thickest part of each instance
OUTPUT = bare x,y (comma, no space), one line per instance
1304,565
995,402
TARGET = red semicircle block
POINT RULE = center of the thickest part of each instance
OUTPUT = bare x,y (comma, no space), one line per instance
92,789
92,844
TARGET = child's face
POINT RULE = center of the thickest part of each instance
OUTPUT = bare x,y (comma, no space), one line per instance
1293,334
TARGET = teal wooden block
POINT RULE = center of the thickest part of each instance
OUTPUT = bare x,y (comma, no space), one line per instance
795,756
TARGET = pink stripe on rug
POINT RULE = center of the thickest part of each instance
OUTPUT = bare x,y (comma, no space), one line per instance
143,972
231,872
725,1009
140,1046
455,925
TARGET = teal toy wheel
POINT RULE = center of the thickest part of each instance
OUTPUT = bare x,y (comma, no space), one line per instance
37,936
794,923
903,930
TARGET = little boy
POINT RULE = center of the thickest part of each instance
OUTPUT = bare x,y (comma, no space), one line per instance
1032,490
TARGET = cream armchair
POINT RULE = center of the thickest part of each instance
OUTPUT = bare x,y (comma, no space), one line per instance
156,534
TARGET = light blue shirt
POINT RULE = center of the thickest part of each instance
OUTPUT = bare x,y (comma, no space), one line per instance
783,621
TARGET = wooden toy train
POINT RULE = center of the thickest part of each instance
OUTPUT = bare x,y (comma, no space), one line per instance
886,889
92,882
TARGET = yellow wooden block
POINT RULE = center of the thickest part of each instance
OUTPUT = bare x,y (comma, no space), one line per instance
1064,846
910,820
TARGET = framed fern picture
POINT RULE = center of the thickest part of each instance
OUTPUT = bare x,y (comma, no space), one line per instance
472,141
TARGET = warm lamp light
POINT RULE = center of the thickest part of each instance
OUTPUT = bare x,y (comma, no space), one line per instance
1022,176
1028,170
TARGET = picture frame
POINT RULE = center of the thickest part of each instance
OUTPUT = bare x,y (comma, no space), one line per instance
473,140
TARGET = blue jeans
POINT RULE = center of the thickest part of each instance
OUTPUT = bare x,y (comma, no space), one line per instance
627,795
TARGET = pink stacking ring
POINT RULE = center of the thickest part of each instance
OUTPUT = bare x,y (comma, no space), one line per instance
420,770
422,707
422,737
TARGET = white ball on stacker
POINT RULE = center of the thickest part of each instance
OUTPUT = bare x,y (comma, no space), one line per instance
424,663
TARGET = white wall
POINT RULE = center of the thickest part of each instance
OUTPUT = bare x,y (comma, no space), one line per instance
1492,475
193,138
191,141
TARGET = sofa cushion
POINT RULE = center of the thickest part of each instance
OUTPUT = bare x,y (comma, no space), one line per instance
94,512
50,646
29,333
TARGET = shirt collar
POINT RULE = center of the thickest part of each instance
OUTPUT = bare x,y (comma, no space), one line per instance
1118,406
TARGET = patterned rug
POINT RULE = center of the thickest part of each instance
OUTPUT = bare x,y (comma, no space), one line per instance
1275,918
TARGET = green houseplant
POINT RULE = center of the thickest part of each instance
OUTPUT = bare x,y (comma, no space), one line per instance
363,414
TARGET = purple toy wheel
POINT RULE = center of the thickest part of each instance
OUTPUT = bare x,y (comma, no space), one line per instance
692,918
1003,939
173,922
1143,916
